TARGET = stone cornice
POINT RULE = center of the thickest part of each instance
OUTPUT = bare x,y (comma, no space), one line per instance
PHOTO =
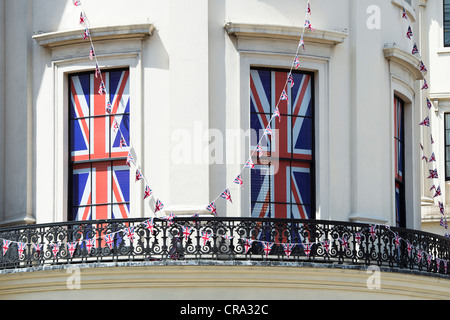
403,58
264,31
64,38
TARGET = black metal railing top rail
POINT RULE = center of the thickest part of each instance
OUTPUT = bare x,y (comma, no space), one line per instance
202,238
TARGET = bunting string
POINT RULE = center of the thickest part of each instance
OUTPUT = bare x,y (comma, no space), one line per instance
426,123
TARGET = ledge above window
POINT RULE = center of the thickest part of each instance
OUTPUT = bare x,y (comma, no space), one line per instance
405,59
64,38
278,32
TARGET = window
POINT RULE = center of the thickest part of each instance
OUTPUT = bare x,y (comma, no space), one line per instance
98,174
282,182
446,23
447,146
399,146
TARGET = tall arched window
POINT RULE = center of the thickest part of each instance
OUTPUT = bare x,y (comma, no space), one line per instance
399,146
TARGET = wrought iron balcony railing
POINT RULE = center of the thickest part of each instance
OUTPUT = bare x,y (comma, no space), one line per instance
198,238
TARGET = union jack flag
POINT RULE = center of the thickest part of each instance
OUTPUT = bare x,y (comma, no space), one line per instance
55,249
149,225
259,149
425,122
419,255
226,195
21,248
212,208
307,249
372,231
139,175
76,3
147,192
238,180
92,53
404,15
288,248
302,43
169,219
308,8
438,192
186,232
284,96
37,248
432,158
6,244
87,34
92,136
409,248
397,240
268,130
291,80
98,72
129,232
89,243
296,62
358,237
425,84
414,49
326,245
422,67
433,174
71,246
130,159
308,25
267,247
286,193
247,244
108,111
409,33
206,237
250,164
109,239
158,205
429,104
82,18
102,88
277,113
344,242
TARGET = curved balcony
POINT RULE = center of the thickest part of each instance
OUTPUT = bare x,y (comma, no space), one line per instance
213,239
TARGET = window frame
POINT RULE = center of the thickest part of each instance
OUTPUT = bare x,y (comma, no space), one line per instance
446,44
446,144
266,160
91,161
400,219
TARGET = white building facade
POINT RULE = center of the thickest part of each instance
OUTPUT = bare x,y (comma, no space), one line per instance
189,71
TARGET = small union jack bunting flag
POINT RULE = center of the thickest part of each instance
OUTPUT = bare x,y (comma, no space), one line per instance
302,43
344,242
438,192
409,33
432,158
102,89
6,244
372,231
291,79
21,248
149,224
82,18
212,208
55,249
206,237
404,15
288,249
37,248
433,174
296,62
284,96
109,110
90,243
139,175
226,195
87,34
169,219
147,192
397,240
129,232
238,180
358,237
186,232
267,247
307,248
425,84
158,205
130,159
259,150
308,25
76,3
247,244
425,122
268,130
92,53
409,248
277,113
97,71
109,239
414,49
422,67
250,164
326,245
71,247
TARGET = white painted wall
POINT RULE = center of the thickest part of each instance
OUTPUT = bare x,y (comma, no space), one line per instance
191,74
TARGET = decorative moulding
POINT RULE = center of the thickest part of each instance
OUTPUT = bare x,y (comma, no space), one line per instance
64,38
290,33
403,58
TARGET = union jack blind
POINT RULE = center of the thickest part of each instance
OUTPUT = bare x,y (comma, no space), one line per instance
399,161
282,182
99,176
